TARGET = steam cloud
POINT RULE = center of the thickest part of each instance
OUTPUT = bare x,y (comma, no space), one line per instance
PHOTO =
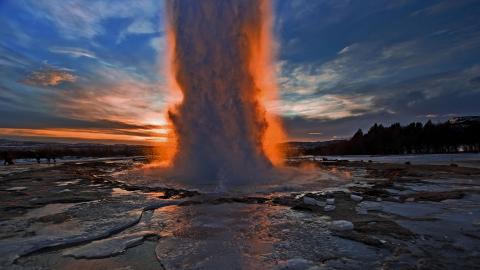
221,125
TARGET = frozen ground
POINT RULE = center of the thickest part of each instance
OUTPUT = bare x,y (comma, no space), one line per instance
463,159
104,214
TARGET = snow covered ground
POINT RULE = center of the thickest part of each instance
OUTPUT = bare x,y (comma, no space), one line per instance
463,159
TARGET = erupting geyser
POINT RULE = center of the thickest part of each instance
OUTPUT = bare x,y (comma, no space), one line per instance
220,60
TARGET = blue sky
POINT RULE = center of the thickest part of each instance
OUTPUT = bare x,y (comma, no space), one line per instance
94,68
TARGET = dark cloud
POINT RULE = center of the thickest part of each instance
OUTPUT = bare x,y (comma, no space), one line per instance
475,80
437,97
442,93
359,62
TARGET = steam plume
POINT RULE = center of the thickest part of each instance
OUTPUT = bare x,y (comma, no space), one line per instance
220,61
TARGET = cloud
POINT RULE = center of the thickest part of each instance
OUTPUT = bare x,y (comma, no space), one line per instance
361,79
306,79
443,6
137,27
159,44
49,76
343,64
434,96
119,108
441,93
80,19
328,106
120,96
93,135
356,64
141,26
344,50
74,52
10,59
25,118
33,124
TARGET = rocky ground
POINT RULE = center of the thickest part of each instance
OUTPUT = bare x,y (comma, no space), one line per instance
348,215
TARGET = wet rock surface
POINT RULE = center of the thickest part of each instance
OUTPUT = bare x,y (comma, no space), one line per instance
363,216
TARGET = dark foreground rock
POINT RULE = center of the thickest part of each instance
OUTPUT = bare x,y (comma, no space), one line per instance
373,216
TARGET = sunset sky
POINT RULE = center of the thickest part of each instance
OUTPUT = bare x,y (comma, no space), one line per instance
76,70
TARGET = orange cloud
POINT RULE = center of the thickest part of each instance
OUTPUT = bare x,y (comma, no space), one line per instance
139,136
49,77
117,97
125,100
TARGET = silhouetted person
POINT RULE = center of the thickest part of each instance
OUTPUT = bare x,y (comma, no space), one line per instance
37,157
8,159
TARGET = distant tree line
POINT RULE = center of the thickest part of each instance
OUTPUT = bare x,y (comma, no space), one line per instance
415,138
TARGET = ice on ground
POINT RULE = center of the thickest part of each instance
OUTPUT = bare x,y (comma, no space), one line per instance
365,206
108,247
113,224
48,210
341,225
84,222
16,189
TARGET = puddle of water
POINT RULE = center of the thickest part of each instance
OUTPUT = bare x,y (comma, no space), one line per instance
155,194
116,192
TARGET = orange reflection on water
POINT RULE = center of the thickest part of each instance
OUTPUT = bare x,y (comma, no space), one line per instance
215,235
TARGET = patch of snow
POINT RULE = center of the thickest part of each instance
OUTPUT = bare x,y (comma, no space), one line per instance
66,183
341,225
329,208
296,264
16,189
363,207
356,198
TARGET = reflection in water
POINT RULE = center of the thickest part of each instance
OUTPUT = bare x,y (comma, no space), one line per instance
216,236
116,192
287,179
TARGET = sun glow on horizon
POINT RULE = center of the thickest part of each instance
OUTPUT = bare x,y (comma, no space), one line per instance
143,136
